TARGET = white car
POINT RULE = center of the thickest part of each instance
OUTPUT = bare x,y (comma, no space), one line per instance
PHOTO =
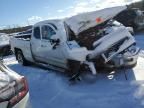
14,92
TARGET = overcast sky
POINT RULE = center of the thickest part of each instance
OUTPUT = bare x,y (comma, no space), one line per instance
22,12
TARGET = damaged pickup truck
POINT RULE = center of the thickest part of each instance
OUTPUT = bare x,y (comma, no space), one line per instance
82,42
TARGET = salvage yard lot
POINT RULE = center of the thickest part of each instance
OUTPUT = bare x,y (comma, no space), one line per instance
49,89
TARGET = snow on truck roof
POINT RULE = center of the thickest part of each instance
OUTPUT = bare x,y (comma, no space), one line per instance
83,21
55,21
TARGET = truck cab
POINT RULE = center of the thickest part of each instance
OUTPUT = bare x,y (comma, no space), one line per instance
47,42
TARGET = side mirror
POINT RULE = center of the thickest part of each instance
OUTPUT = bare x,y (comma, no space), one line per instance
55,42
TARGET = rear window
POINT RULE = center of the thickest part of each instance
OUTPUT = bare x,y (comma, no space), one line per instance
37,32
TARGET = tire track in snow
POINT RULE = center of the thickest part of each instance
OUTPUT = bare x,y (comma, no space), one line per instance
54,97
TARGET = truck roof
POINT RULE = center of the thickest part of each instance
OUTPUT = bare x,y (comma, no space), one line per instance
55,21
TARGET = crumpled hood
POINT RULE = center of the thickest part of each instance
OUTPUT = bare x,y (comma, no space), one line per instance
84,21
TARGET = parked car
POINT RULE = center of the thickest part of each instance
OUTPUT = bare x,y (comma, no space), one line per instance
86,40
14,92
131,17
4,45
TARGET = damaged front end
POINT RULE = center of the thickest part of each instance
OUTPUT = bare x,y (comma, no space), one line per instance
107,44
117,48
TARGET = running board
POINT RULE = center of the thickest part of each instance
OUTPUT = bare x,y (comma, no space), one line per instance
51,67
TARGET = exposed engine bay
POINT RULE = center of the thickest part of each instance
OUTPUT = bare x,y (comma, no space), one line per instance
89,36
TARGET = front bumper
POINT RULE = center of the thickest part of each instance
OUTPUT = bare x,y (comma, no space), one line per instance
126,60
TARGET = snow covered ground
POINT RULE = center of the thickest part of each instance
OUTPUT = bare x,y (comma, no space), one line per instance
49,89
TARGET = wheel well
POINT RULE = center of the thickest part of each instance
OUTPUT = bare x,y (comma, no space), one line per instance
16,51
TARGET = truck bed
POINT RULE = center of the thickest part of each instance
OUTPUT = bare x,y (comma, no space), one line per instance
22,42
25,37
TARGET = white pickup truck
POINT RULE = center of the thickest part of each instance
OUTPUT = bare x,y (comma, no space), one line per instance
84,41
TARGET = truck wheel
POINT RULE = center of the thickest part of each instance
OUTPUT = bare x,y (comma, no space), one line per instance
21,59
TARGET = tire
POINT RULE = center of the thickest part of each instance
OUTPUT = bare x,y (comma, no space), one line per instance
21,59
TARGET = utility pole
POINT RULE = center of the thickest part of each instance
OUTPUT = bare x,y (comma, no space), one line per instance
28,22
143,5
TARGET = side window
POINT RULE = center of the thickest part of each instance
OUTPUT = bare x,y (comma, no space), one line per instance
47,32
37,32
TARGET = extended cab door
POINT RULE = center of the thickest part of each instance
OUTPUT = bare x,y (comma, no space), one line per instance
43,48
50,54
36,43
